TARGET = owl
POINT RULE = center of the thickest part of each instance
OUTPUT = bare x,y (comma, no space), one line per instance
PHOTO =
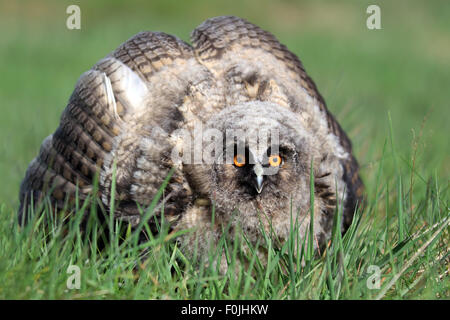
233,120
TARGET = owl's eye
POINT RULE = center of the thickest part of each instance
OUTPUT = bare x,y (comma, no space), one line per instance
239,160
274,160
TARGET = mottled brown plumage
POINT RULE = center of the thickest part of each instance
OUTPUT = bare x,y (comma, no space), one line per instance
127,112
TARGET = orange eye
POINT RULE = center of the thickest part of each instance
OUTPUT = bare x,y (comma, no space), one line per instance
274,160
239,160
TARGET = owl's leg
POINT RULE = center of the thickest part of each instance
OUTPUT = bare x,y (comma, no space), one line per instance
197,244
204,244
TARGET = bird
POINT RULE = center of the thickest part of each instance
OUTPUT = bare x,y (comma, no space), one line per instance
134,119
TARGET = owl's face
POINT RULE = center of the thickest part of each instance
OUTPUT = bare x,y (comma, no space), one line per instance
258,174
255,175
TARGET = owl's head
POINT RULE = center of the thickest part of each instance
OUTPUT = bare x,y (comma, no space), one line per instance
260,159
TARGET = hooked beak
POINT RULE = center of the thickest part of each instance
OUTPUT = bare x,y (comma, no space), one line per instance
258,169
259,183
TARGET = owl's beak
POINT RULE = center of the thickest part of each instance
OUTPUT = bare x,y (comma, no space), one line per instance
258,170
259,183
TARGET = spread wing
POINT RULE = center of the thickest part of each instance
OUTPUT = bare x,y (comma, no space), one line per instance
120,114
254,65
123,111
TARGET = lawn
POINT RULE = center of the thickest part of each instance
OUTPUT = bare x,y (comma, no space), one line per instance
388,88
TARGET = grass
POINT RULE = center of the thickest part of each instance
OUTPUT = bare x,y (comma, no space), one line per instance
408,248
388,88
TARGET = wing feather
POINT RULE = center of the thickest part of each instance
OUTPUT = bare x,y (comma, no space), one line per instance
124,109
109,118
257,66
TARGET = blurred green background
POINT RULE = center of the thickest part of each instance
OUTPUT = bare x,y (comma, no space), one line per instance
403,68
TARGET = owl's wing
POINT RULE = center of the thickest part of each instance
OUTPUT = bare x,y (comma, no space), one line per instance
255,65
119,114
237,50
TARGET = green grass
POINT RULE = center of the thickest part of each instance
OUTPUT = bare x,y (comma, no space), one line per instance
410,248
388,88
